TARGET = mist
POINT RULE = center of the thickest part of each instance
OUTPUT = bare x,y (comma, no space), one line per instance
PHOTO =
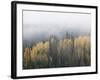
40,25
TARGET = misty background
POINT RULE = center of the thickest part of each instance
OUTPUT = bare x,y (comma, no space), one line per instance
39,26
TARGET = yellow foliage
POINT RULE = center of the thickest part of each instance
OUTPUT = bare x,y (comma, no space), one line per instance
65,43
26,55
40,51
46,45
81,43
39,48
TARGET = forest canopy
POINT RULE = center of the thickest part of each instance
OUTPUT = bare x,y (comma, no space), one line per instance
67,52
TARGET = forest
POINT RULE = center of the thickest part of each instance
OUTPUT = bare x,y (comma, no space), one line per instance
70,51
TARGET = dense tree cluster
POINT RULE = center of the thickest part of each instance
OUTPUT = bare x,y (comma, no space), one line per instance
66,52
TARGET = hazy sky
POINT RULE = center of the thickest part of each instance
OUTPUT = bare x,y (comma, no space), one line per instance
35,22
